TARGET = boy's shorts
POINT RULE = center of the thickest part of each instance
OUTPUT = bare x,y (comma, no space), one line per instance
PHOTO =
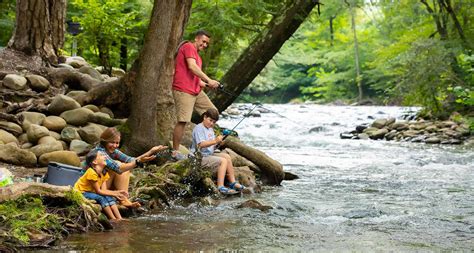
185,103
212,162
103,200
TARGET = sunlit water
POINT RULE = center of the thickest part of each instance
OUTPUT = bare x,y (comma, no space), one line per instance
352,195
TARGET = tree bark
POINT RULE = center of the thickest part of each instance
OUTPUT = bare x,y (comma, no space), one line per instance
39,28
261,51
152,114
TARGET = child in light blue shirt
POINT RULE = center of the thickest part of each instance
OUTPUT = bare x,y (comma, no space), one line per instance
205,141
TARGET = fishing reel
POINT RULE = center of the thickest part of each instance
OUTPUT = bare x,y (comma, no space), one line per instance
226,132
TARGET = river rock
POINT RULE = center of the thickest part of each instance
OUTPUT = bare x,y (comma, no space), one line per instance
252,203
54,123
88,70
76,117
245,176
35,132
346,135
379,123
361,128
379,134
290,176
14,82
7,137
47,139
400,125
76,61
67,157
433,140
432,128
363,136
38,83
463,130
391,135
32,118
91,133
55,135
70,133
446,124
76,94
62,103
15,155
419,138
79,147
410,133
23,138
11,127
93,108
452,133
66,66
108,111
117,72
26,145
41,149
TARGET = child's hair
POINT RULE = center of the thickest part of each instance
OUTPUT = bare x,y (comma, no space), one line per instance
91,156
211,113
109,135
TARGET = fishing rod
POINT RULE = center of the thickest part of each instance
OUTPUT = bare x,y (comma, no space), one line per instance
221,88
227,132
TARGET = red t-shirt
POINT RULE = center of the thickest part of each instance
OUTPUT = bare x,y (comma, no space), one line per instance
184,80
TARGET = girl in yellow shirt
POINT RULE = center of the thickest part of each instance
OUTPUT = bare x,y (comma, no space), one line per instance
93,185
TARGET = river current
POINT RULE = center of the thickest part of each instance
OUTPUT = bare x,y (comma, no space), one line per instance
352,195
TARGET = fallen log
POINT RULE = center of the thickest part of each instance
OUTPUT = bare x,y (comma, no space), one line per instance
271,171
17,190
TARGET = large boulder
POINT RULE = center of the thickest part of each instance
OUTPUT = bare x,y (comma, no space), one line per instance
14,82
62,103
379,123
12,154
35,132
79,147
91,132
38,83
70,133
54,123
77,117
11,127
379,134
32,118
47,139
88,70
93,108
41,149
7,137
67,157
76,94
76,61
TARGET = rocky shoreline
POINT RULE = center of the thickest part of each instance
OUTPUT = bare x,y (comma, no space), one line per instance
420,130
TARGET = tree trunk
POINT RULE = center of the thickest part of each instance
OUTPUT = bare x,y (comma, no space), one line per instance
39,28
261,51
152,114
440,28
358,78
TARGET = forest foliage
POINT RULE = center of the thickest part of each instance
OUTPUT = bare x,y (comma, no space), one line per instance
409,52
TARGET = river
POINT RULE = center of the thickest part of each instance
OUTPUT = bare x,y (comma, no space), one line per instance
352,195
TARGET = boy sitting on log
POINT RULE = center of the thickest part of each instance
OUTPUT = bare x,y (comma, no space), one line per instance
93,185
205,141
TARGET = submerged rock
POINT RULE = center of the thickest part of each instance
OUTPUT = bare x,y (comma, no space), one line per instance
252,203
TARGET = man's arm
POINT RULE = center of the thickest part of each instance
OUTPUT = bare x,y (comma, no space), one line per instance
192,65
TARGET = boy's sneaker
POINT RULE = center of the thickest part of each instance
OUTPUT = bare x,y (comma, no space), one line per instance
176,156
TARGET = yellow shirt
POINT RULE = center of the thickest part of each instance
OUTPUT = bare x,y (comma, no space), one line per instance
85,182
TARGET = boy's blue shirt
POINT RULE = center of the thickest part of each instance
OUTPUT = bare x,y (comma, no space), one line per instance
200,134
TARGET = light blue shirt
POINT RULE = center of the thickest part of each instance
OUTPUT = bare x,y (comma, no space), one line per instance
200,134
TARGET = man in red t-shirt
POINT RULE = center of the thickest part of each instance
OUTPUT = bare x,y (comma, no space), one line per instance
188,82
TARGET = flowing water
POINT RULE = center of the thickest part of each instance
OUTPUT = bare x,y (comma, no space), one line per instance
352,195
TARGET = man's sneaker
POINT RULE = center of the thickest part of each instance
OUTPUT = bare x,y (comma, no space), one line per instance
176,156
